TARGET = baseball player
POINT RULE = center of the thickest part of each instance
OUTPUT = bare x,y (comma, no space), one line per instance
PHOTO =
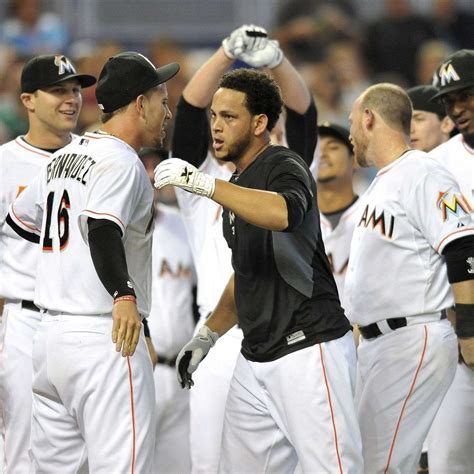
203,218
451,436
282,294
337,201
414,235
94,205
51,94
171,324
430,126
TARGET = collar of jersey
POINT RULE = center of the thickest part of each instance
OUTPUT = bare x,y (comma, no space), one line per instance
394,163
96,136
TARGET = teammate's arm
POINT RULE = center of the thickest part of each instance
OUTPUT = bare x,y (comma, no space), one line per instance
457,255
223,318
108,256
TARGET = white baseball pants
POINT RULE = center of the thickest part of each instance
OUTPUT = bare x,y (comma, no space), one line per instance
88,400
172,453
402,378
451,437
296,409
16,375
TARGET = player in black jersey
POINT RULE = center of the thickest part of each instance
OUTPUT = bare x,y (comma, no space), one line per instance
291,397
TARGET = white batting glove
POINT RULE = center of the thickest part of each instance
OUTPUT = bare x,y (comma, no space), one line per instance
184,175
192,354
270,56
244,38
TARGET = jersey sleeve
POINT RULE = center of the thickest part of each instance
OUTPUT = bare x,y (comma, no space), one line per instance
302,132
290,179
113,193
25,214
436,206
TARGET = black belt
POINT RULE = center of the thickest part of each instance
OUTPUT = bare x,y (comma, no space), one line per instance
170,362
372,330
29,305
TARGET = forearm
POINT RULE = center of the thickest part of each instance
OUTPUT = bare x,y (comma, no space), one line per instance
264,209
295,93
463,292
203,84
224,316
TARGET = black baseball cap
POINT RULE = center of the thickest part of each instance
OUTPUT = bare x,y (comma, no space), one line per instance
336,131
456,72
421,96
127,75
49,69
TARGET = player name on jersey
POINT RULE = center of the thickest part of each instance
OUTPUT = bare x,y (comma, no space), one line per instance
70,165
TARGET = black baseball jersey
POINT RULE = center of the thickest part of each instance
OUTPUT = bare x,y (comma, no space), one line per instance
285,293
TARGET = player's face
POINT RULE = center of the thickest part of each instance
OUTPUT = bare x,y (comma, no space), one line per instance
335,161
55,108
459,106
425,132
230,125
156,114
358,136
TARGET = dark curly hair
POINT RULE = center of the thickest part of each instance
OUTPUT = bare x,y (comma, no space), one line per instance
262,92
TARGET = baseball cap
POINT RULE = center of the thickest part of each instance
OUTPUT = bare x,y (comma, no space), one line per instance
49,69
455,72
336,131
127,75
421,96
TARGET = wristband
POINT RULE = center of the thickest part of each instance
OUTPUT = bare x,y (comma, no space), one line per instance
146,328
126,298
465,320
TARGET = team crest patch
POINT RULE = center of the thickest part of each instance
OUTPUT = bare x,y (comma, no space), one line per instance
452,204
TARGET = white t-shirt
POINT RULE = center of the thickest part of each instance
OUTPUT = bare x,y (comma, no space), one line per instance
458,158
410,212
212,256
171,317
20,163
337,243
96,176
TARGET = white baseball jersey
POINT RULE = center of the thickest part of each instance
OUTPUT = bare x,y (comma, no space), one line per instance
410,212
20,163
337,243
212,256
171,316
458,157
97,176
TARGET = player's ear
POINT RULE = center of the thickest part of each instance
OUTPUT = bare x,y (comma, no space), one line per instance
447,125
368,119
260,123
139,104
27,100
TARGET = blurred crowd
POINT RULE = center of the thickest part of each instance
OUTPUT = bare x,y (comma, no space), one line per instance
338,54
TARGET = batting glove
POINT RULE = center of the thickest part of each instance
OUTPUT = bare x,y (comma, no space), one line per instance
244,38
192,354
184,175
270,56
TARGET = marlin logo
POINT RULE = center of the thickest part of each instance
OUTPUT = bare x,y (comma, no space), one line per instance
454,204
470,262
63,64
447,73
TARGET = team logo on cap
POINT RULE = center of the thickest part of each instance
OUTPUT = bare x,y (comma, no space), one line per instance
470,262
452,204
447,73
63,64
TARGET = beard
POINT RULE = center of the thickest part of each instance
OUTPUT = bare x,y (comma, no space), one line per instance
469,139
361,155
237,149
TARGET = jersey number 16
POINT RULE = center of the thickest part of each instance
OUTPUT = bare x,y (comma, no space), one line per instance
62,222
